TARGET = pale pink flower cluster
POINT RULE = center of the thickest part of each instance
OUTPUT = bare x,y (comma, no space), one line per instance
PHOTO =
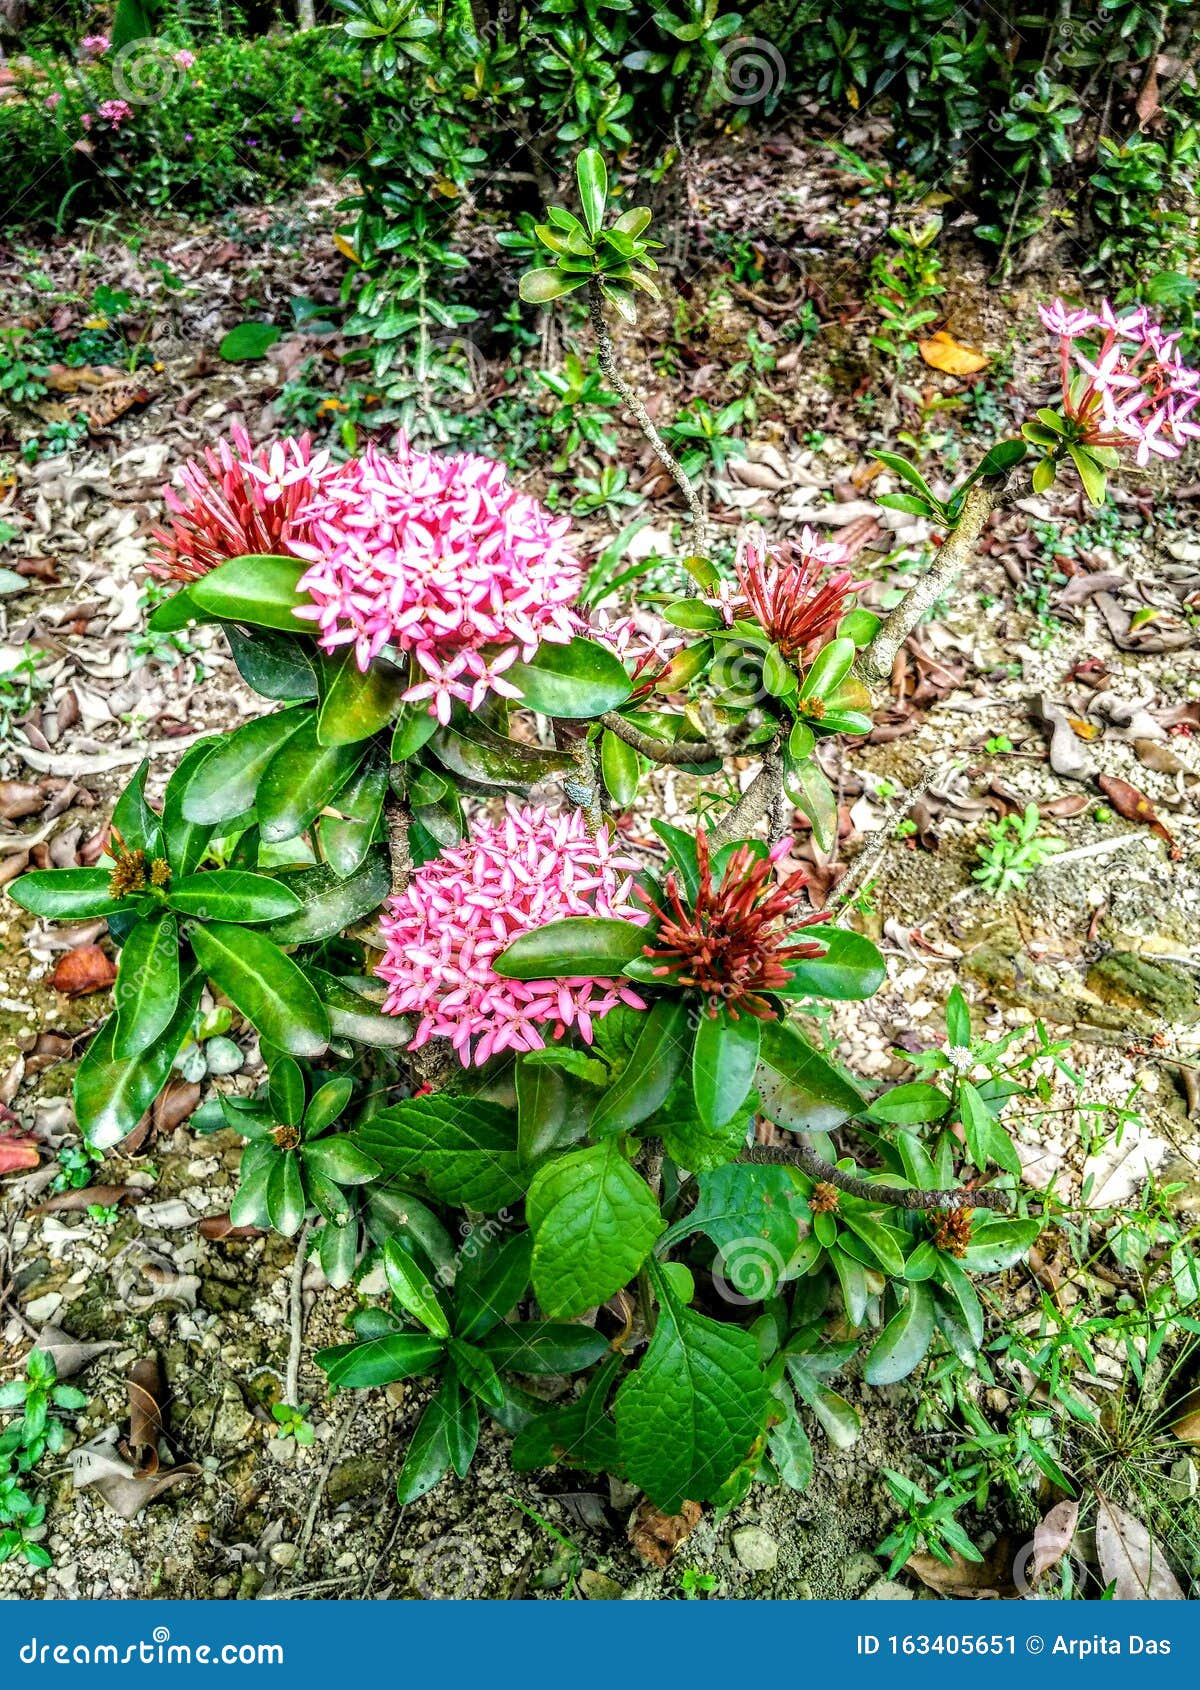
115,112
440,558
644,643
464,907
95,46
184,58
1124,382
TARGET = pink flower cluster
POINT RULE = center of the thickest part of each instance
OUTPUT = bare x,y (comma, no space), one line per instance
238,503
441,558
115,112
464,907
1124,382
184,58
95,46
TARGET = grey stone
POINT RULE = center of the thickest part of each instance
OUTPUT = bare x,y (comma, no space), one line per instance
887,1590
755,1549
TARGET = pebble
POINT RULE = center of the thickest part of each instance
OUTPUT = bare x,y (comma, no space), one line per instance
887,1590
44,1308
283,1554
755,1549
598,1587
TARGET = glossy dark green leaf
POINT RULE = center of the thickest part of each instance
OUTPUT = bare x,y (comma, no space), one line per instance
347,836
620,769
801,1090
427,1458
464,1149
327,1103
355,705
581,679
490,1283
111,1093
592,945
184,840
544,1347
548,1113
488,759
327,905
263,591
265,985
275,665
724,1059
643,1085
232,894
285,1194
381,1361
415,726
476,1373
147,986
224,783
354,1011
66,894
133,820
902,1344
176,613
337,1247
681,847
338,1159
300,779
850,970
410,1286
286,1089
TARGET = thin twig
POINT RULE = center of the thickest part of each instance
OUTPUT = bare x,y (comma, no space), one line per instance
873,1191
291,1387
335,1449
879,838
681,751
606,353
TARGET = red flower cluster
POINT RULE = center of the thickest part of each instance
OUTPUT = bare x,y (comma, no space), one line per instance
729,942
783,592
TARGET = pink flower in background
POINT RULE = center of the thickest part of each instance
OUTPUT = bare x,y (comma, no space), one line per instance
238,503
461,909
52,101
1124,382
184,58
115,112
95,46
440,558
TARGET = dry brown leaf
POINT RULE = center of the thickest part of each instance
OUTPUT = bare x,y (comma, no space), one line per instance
70,1355
1127,801
1186,1424
106,1195
17,1151
219,1229
1052,1538
991,1579
18,798
112,400
173,1105
1130,1560
942,352
145,1415
87,969
656,1536
101,1466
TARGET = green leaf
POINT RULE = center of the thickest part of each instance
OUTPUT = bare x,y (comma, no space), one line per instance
578,1433
581,679
589,945
539,287
656,1062
341,1161
552,1111
800,1089
694,614
265,985
112,1094
809,790
910,1105
852,1277
1043,474
477,1373
66,894
753,1215
851,969
489,1283
301,778
792,1452
681,847
224,782
906,471
410,1286
427,1458
347,836
285,1194
327,1103
470,749
285,1090
381,1361
620,768
133,820
594,1222
544,1347
354,705
248,341
986,1139
415,726
958,1019
147,986
232,894
886,1243
327,905
904,1340
263,591
592,176
691,1413
1095,481
724,1058
275,665
184,841
464,1149
996,1244
828,669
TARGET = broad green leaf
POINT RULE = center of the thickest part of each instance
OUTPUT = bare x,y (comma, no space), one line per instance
792,1452
224,782
581,679
578,1433
904,1340
594,1221
800,1090
112,1094
592,176
850,970
544,1347
285,1194
381,1361
657,1060
347,836
724,1059
986,1139
265,985
410,1286
147,986
489,1283
681,847
997,1244
133,820
579,945
326,905
185,841
753,1215
427,1458
885,1243
852,1277
415,725
248,341
910,1105
275,665
620,768
355,705
552,1109
906,471
958,1019
339,1160
301,778
693,1410
263,591
66,894
839,1420
539,287
327,1103
285,1090
462,1148
828,669
232,894
809,790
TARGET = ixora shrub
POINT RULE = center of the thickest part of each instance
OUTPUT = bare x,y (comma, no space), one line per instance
601,1064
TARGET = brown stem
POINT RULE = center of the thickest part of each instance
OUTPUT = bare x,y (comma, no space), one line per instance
872,1191
875,664
682,751
606,353
759,799
396,819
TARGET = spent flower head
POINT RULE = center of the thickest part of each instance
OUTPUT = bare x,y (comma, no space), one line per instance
464,907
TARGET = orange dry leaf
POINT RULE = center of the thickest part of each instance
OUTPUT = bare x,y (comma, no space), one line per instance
1129,802
344,247
87,969
17,1151
656,1536
942,352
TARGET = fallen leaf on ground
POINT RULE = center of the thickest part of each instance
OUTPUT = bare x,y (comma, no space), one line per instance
942,352
1052,1538
1186,1424
145,1415
656,1536
100,1466
219,1229
69,1354
17,1150
105,1195
1127,801
19,798
991,1579
174,1104
1130,1560
79,972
